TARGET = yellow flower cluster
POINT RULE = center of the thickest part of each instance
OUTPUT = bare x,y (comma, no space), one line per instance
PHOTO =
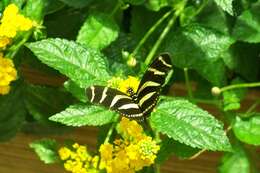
124,85
7,74
130,154
78,160
11,23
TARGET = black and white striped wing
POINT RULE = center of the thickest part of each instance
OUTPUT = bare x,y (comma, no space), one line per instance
150,86
115,100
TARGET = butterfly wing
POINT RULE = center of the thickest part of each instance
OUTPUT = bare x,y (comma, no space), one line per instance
115,100
150,86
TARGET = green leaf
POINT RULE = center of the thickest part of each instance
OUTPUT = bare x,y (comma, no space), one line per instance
247,27
234,162
248,130
75,90
98,31
82,65
34,9
185,122
243,59
134,2
156,5
226,5
46,149
38,98
12,112
232,98
81,115
77,3
171,147
199,48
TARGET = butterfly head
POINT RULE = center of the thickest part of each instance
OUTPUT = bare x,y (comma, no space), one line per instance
131,93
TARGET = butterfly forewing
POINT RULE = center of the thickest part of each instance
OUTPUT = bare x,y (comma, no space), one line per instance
151,83
115,100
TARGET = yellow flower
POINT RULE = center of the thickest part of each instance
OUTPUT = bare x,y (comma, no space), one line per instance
4,41
130,154
7,74
130,82
130,129
64,153
4,89
12,22
78,160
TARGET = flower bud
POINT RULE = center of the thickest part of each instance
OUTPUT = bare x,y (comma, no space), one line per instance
215,91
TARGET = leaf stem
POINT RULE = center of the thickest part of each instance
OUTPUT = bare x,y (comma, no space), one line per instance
241,85
110,131
187,82
160,39
115,9
14,49
149,32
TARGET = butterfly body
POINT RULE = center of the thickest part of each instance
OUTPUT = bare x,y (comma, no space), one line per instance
140,104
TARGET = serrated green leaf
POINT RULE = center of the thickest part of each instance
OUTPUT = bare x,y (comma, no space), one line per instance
234,162
12,112
75,90
247,27
232,98
81,115
171,147
226,5
84,66
46,149
98,31
185,122
199,48
248,130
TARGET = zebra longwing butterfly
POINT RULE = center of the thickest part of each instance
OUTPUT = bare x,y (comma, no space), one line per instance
140,104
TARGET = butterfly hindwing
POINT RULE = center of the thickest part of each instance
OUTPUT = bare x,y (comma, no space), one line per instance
115,100
150,86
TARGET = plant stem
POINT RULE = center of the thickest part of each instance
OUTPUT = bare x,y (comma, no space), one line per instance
253,106
187,82
118,5
149,32
14,49
160,39
242,85
109,133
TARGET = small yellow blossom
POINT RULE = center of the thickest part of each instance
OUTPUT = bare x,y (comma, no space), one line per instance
11,23
4,41
4,89
130,154
130,82
7,74
78,160
64,153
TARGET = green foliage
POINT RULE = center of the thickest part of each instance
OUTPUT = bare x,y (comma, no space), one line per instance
232,98
235,161
46,149
226,5
248,130
81,115
247,27
13,112
87,42
189,121
98,31
171,147
200,48
84,66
